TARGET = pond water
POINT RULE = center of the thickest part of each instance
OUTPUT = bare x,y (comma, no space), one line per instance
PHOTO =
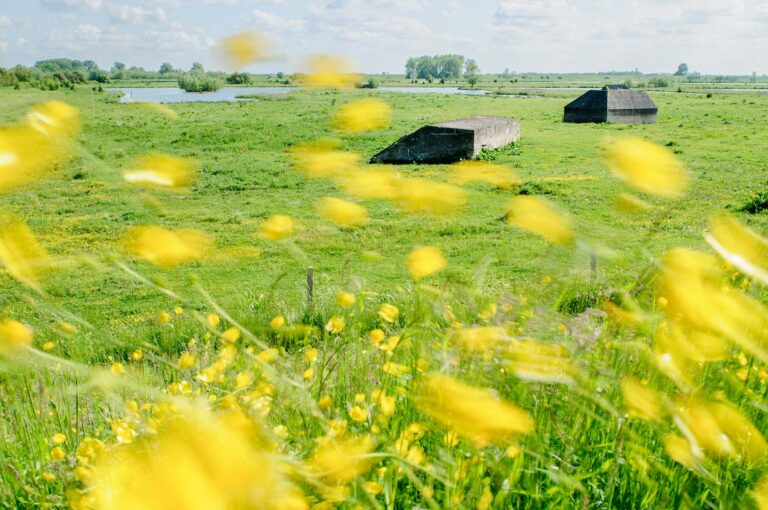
176,95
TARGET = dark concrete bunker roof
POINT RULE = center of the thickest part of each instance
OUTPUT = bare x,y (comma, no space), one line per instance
613,100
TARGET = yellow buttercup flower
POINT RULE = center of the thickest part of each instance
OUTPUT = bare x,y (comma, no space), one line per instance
57,453
14,335
231,335
739,246
325,402
362,115
329,71
342,213
480,339
537,216
160,170
167,248
358,414
339,461
370,184
322,159
244,48
474,413
117,369
187,360
335,325
20,253
213,320
55,119
277,227
631,204
427,197
539,361
345,299
388,313
648,167
641,401
425,261
59,439
278,322
482,171
218,462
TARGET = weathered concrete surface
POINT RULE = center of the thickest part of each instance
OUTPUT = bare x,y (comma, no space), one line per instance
612,105
451,141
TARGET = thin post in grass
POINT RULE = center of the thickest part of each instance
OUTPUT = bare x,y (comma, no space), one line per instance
593,265
310,284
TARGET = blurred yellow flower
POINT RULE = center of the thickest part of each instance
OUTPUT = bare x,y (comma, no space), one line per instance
482,171
213,320
700,299
137,355
242,49
277,227
540,361
631,204
739,246
759,493
162,109
58,453
335,325
722,430
231,335
243,380
160,170
474,413
480,339
322,159
345,299
20,253
370,184
59,438
539,217
342,213
388,313
376,336
325,402
421,196
187,360
311,354
48,346
48,476
308,373
55,119
25,155
117,369
358,414
641,401
278,322
164,317
329,71
167,248
339,461
647,166
14,335
218,462
375,488
425,261
362,115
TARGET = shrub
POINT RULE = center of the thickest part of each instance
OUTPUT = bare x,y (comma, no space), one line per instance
199,83
757,203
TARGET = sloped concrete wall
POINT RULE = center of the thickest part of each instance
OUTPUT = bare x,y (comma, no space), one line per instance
451,141
620,117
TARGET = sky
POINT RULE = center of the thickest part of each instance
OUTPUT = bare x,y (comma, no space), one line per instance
546,36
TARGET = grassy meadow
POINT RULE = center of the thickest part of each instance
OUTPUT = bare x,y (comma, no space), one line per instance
505,285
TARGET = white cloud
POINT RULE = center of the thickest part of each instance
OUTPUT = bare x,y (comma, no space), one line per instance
65,5
536,20
272,22
135,14
5,21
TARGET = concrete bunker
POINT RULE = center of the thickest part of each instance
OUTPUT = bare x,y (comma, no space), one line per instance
615,105
451,141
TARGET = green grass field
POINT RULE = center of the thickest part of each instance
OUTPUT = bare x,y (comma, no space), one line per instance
584,453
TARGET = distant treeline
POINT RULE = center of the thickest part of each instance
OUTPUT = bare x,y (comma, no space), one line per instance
58,73
442,67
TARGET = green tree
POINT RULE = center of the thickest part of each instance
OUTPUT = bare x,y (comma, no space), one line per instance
166,68
471,72
682,70
197,67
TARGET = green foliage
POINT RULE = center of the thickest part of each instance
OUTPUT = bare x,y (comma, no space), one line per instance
757,203
199,83
239,79
445,67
